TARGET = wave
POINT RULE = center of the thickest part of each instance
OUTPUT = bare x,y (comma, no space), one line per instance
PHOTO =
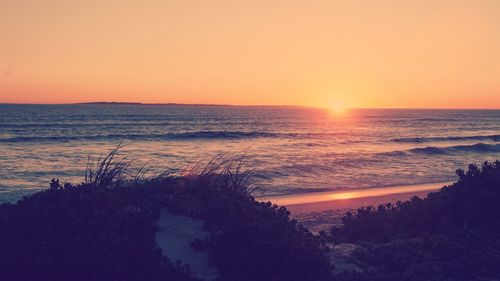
433,150
130,123
177,136
495,138
168,136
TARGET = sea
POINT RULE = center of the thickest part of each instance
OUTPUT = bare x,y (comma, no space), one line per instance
290,150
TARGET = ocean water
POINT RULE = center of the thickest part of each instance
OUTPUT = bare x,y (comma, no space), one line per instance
291,149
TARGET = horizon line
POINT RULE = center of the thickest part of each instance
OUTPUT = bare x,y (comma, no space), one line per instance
242,105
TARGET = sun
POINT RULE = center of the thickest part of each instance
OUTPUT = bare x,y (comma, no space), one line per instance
338,109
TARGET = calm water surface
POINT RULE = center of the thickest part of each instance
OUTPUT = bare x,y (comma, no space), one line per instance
293,149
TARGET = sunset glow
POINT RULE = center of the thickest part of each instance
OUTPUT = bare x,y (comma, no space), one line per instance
249,140
420,54
338,109
345,195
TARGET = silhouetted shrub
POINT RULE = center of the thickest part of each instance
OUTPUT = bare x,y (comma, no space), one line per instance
450,235
104,228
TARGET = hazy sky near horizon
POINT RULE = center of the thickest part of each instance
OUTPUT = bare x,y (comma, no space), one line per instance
315,52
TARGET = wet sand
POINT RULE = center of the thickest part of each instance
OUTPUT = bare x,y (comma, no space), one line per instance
351,199
321,211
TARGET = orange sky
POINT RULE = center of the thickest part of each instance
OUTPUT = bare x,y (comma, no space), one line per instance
311,52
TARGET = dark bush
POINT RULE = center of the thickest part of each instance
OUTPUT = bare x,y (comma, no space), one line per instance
450,235
104,229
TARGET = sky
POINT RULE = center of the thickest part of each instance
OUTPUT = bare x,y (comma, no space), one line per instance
405,54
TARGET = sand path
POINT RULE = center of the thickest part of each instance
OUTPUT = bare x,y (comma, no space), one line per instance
174,239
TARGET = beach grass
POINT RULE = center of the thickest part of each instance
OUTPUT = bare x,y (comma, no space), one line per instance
105,227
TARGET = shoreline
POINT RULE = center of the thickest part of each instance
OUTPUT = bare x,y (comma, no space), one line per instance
351,199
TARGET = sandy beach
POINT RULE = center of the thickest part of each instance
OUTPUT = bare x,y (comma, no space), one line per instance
320,211
351,199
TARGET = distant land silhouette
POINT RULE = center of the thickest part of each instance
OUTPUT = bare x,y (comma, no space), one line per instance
179,104
140,103
110,103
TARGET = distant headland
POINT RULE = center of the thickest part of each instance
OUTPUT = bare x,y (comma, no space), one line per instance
140,103
176,104
110,103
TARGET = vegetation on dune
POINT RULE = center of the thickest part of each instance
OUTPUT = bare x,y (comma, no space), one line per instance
104,228
450,235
